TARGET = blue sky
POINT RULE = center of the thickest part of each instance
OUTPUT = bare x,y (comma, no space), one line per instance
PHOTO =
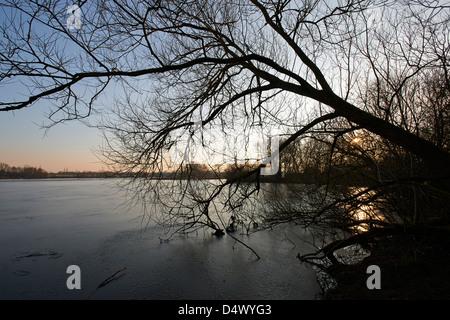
23,141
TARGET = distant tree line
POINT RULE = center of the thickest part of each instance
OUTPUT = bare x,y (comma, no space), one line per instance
25,172
29,172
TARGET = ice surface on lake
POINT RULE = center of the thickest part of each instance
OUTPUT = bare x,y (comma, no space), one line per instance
47,225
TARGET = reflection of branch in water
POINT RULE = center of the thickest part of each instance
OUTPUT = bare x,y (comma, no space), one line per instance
106,281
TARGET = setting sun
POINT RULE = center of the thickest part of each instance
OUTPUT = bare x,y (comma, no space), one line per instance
357,140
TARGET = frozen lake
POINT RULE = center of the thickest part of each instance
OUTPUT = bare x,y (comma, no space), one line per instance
47,225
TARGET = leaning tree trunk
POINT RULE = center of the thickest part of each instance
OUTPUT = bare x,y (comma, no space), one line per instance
411,142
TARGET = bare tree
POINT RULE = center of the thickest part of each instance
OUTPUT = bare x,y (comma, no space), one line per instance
304,67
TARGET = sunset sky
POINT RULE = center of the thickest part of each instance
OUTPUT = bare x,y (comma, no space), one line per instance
24,142
65,146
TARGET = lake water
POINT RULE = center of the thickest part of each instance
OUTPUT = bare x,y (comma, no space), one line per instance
48,225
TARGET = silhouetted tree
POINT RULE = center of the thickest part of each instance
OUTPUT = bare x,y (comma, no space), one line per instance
316,69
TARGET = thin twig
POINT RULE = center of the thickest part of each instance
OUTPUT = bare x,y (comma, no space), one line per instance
107,280
245,245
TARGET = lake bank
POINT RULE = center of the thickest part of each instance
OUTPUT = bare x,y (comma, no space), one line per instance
411,269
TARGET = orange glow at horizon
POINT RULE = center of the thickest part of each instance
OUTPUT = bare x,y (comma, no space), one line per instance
53,161
66,146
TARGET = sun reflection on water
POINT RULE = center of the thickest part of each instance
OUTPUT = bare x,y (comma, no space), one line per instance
365,213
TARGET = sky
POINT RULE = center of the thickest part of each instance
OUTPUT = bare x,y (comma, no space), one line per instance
65,146
23,141
69,145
